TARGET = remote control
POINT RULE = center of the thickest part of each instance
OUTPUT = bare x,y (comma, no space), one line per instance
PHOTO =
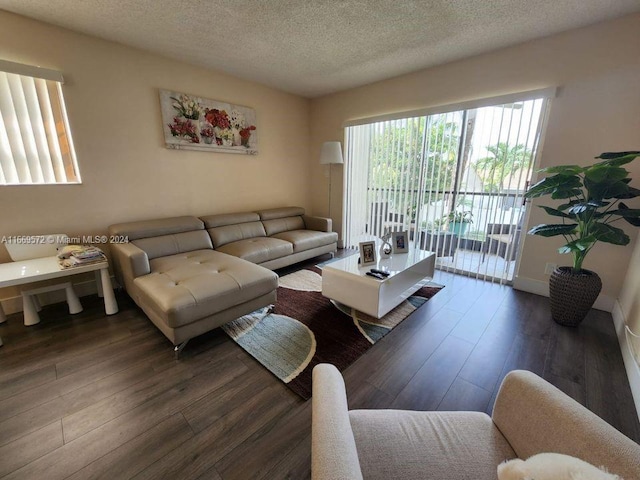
381,272
376,275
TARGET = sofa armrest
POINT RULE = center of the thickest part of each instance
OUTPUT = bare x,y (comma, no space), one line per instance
333,449
130,262
320,224
535,417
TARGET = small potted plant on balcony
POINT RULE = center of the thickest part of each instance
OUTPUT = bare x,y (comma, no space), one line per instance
592,202
458,221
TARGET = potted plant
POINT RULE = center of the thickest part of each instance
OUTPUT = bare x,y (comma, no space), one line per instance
458,221
592,203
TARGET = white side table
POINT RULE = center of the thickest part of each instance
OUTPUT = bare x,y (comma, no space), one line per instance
37,269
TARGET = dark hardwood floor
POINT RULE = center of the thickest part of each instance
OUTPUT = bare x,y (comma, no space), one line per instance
90,396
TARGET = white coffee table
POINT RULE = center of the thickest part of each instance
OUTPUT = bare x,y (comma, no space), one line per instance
346,282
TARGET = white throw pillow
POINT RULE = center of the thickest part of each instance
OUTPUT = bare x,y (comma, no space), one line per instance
551,466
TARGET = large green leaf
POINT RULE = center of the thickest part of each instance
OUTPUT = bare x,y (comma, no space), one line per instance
579,208
562,193
600,190
552,230
579,245
563,169
567,205
631,193
617,158
600,172
556,213
549,185
631,215
609,234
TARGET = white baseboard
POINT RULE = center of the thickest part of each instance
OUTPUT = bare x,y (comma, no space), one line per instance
633,370
603,302
14,304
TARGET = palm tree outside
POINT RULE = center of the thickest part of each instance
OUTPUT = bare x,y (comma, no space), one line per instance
504,160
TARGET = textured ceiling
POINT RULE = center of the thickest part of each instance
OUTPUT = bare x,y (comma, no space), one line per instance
316,47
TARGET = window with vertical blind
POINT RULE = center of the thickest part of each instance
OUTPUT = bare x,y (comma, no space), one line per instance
35,141
453,177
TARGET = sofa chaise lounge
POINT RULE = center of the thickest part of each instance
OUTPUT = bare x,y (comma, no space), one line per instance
191,275
530,416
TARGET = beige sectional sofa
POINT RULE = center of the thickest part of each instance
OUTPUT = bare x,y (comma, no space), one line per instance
530,416
272,238
191,275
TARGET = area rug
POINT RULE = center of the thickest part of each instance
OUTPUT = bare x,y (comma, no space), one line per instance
305,329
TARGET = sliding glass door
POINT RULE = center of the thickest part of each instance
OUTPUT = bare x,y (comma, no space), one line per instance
454,180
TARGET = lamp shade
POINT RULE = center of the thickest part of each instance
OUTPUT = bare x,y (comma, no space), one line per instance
331,153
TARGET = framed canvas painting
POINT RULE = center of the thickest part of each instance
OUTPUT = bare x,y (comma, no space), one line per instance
196,123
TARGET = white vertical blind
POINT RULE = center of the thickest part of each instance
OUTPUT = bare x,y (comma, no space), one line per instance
454,180
35,142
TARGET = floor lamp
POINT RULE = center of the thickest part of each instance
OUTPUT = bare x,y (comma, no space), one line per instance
330,154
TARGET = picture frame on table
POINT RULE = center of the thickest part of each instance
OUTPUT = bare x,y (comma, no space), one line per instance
367,253
400,242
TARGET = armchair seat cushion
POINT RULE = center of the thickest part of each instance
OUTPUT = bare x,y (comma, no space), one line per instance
420,445
303,240
259,249
187,287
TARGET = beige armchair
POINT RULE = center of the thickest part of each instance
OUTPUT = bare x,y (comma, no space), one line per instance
530,416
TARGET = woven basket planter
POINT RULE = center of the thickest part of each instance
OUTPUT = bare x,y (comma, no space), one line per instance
572,294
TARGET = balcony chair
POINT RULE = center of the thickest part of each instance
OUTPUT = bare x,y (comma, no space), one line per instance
382,221
502,239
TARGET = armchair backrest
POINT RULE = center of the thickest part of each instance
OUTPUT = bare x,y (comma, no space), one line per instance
536,417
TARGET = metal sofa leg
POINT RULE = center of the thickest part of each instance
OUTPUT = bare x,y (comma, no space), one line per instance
268,310
177,349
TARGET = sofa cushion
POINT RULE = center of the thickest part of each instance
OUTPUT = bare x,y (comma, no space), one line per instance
418,445
232,233
284,224
307,239
258,250
273,213
212,221
155,228
187,287
175,243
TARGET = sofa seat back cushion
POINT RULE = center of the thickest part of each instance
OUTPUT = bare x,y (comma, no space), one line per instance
231,227
232,233
282,212
258,250
223,219
416,445
303,240
156,228
175,243
276,220
285,224
188,287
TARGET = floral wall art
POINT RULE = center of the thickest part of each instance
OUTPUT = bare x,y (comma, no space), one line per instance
195,123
